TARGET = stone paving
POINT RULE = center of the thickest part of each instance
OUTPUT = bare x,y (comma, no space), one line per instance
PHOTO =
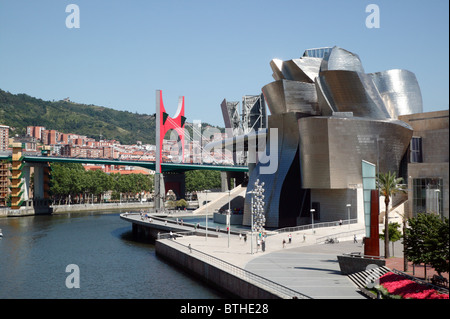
304,265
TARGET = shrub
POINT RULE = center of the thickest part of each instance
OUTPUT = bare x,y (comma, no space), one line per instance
396,285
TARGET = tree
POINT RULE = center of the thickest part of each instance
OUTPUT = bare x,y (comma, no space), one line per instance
200,180
427,241
182,203
394,234
388,184
439,244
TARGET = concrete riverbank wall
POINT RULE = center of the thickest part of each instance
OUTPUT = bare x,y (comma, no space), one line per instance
59,209
221,278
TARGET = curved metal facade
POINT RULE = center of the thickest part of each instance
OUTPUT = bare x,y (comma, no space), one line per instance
341,59
291,96
332,149
330,116
400,91
349,91
289,138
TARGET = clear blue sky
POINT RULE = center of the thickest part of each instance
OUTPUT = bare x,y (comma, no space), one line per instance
207,50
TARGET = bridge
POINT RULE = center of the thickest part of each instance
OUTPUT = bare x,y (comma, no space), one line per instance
21,175
168,175
165,166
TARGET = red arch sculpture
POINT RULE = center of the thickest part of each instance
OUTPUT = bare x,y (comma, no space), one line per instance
167,123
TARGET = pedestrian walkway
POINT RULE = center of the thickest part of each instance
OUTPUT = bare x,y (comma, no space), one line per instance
305,263
302,265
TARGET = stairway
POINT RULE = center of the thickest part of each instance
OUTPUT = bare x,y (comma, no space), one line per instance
222,201
363,278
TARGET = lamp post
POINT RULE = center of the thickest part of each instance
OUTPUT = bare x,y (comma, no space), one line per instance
229,217
348,210
312,210
206,218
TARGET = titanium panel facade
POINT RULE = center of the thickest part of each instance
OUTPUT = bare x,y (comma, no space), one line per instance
349,91
330,117
400,91
341,59
333,148
288,141
291,96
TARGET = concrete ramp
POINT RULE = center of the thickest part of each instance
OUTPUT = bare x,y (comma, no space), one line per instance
236,196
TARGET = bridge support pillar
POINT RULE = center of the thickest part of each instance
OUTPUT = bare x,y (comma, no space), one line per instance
224,181
160,192
176,182
38,182
27,182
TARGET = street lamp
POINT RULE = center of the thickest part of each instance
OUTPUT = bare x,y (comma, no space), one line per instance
206,218
348,209
228,217
312,210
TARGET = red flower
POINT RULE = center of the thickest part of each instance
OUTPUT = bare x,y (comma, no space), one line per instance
408,289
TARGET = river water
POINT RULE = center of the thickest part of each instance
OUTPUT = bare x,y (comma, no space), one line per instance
109,263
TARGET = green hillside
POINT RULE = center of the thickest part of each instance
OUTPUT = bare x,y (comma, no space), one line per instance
21,110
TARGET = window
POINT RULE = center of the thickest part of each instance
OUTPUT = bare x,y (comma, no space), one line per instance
416,150
427,195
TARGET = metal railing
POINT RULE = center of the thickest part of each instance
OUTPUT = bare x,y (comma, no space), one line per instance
175,235
340,235
243,274
316,225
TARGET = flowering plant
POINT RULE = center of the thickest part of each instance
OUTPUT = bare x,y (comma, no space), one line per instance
398,285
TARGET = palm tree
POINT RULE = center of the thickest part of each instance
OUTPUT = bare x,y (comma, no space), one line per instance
388,184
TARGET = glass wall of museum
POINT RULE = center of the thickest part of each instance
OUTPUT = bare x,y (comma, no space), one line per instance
427,195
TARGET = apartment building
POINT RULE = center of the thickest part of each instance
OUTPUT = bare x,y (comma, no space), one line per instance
4,137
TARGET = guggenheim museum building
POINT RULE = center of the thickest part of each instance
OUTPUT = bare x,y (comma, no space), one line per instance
330,117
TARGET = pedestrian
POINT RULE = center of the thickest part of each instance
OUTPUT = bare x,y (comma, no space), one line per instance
240,236
340,222
284,243
304,237
245,238
263,245
354,239
258,242
290,238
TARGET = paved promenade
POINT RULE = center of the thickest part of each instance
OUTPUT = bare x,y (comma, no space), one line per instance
309,268
306,265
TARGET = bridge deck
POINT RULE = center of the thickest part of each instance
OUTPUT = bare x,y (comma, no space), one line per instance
165,167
